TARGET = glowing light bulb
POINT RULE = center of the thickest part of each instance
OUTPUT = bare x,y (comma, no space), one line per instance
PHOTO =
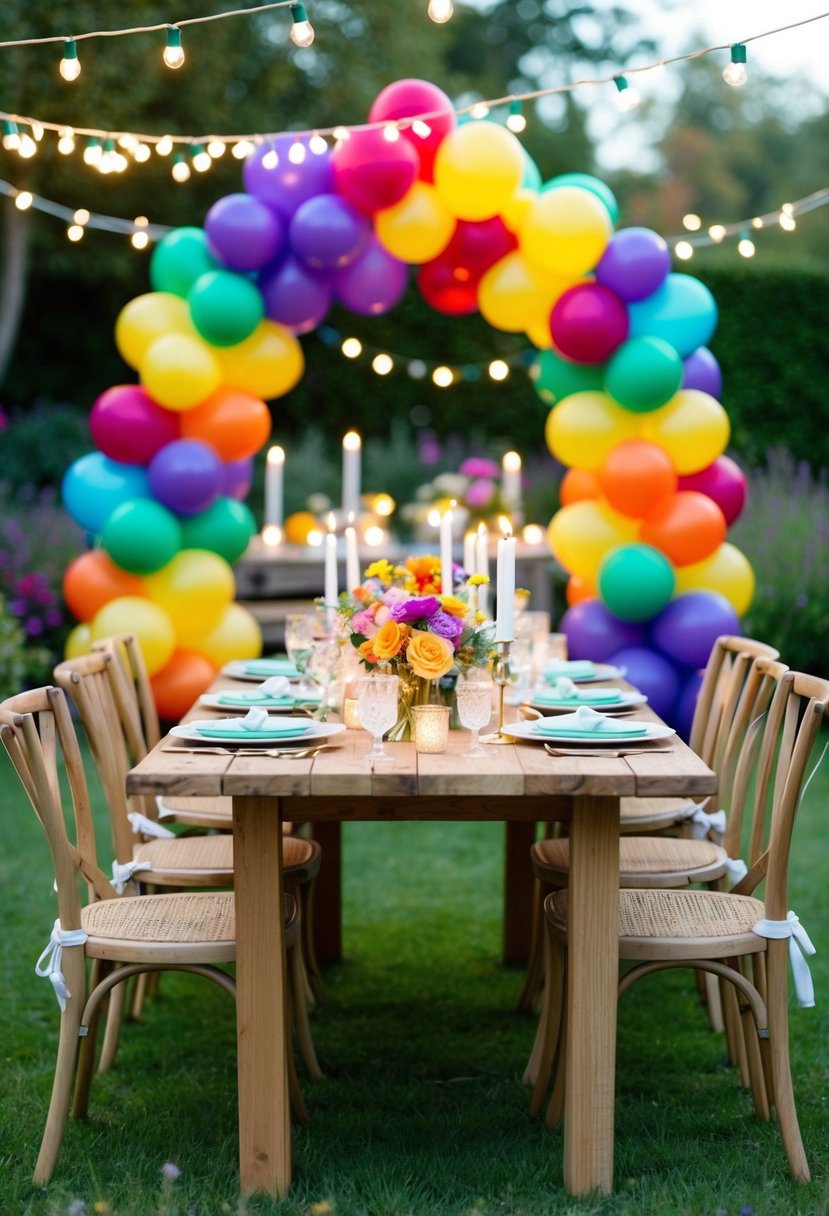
479,110
374,536
24,200
173,54
627,97
202,160
70,65
440,11
11,136
757,222
735,73
383,504
691,222
271,159
421,129
216,148
391,134
318,144
341,134
66,141
533,534
28,147
164,146
93,152
81,216
141,152
516,121
139,240
716,232
498,369
302,32
352,348
684,250
443,376
180,169
382,364
242,150
787,222
296,153
74,232
746,247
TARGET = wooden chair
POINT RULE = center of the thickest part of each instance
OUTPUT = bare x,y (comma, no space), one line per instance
741,939
122,935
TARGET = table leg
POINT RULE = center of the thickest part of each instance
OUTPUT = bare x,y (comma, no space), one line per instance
518,891
593,971
328,935
261,998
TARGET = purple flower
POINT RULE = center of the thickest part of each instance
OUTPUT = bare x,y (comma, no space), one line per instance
418,609
480,492
170,1171
479,466
447,626
33,626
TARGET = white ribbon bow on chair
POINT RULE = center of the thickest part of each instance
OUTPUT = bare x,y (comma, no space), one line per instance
142,826
702,824
123,872
799,946
50,960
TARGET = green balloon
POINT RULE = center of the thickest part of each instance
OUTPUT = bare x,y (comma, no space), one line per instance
532,174
555,377
224,528
635,582
587,182
225,307
643,373
141,536
179,260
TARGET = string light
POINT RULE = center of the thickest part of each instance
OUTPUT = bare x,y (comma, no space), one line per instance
202,160
180,169
440,11
173,54
382,364
352,348
735,73
746,247
24,200
66,141
498,370
11,136
70,65
443,376
515,119
691,222
302,32
627,97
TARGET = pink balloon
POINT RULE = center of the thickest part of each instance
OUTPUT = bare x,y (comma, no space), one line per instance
477,245
408,99
724,482
128,426
588,322
371,173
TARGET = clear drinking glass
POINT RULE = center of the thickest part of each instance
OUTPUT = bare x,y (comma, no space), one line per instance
377,709
299,644
473,695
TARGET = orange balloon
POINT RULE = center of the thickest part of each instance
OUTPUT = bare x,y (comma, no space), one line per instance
180,682
578,485
298,525
92,580
234,422
636,475
687,527
579,589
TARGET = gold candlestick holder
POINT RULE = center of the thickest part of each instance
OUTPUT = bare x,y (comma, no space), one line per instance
500,677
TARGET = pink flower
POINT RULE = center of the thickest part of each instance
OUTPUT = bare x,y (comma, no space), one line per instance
479,466
364,622
480,493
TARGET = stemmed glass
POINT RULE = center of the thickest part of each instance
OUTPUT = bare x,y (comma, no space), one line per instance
377,709
299,643
473,695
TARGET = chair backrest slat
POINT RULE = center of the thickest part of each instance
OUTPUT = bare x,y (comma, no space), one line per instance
126,653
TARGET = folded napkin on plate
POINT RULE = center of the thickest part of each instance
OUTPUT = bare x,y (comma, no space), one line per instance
271,667
255,725
585,723
564,692
576,669
275,691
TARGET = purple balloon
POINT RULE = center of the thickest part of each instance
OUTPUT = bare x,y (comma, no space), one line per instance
682,714
243,233
186,476
296,296
688,627
652,674
634,264
724,482
277,180
327,232
593,632
701,370
237,478
372,284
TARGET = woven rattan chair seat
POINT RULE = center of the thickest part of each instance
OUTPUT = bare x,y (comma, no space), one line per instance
207,853
642,860
187,917
208,812
637,813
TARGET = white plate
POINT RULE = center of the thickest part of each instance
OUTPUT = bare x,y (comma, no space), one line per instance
527,733
238,670
625,702
601,671
307,731
213,700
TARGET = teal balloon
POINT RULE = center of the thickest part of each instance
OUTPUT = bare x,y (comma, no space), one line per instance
587,182
93,486
682,311
643,373
532,174
141,536
179,260
225,307
226,528
554,377
635,582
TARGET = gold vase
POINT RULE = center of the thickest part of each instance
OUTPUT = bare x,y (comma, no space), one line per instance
414,690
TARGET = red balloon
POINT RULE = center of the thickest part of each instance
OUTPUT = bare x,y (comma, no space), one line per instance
234,423
724,481
371,173
588,322
687,527
477,245
128,426
447,288
578,485
92,580
177,685
636,475
407,99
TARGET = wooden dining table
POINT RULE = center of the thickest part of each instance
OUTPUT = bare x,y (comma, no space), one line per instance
520,785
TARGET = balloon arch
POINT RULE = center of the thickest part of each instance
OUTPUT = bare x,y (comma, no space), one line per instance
623,362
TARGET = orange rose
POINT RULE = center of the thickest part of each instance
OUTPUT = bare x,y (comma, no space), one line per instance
366,651
428,655
389,640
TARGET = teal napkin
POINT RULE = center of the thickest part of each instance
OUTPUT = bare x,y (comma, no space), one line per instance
271,667
587,696
264,699
585,723
240,736
629,732
576,669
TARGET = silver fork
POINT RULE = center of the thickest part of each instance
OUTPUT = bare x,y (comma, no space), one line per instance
604,751
304,753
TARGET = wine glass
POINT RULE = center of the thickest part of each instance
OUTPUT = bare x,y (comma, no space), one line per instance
299,642
377,709
473,695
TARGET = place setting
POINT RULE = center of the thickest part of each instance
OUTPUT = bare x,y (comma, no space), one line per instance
587,728
257,729
277,695
563,696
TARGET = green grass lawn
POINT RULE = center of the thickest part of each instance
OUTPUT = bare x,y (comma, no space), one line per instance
422,1110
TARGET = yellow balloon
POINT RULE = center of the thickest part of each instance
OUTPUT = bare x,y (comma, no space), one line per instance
692,427
179,371
512,294
146,318
584,428
583,533
237,636
194,589
538,332
517,209
79,641
417,228
268,364
478,168
566,230
727,570
150,624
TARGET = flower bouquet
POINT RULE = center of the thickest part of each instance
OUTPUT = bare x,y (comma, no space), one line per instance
400,623
474,494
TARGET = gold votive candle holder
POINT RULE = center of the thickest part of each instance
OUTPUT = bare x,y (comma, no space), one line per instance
350,715
431,727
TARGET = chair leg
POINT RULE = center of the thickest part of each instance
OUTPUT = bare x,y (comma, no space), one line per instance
713,1003
70,1020
555,1109
534,976
101,968
309,952
112,1032
734,1032
549,1025
778,964
302,1025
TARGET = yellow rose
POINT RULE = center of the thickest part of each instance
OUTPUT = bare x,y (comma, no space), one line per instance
453,605
389,640
428,655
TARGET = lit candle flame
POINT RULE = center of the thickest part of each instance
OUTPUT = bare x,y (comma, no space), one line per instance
505,525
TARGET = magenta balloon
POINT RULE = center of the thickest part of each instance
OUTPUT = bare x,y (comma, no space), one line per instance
326,232
593,632
128,426
723,481
588,323
296,296
652,674
634,264
407,99
371,173
374,283
273,177
475,246
237,478
688,627
186,476
243,233
702,371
